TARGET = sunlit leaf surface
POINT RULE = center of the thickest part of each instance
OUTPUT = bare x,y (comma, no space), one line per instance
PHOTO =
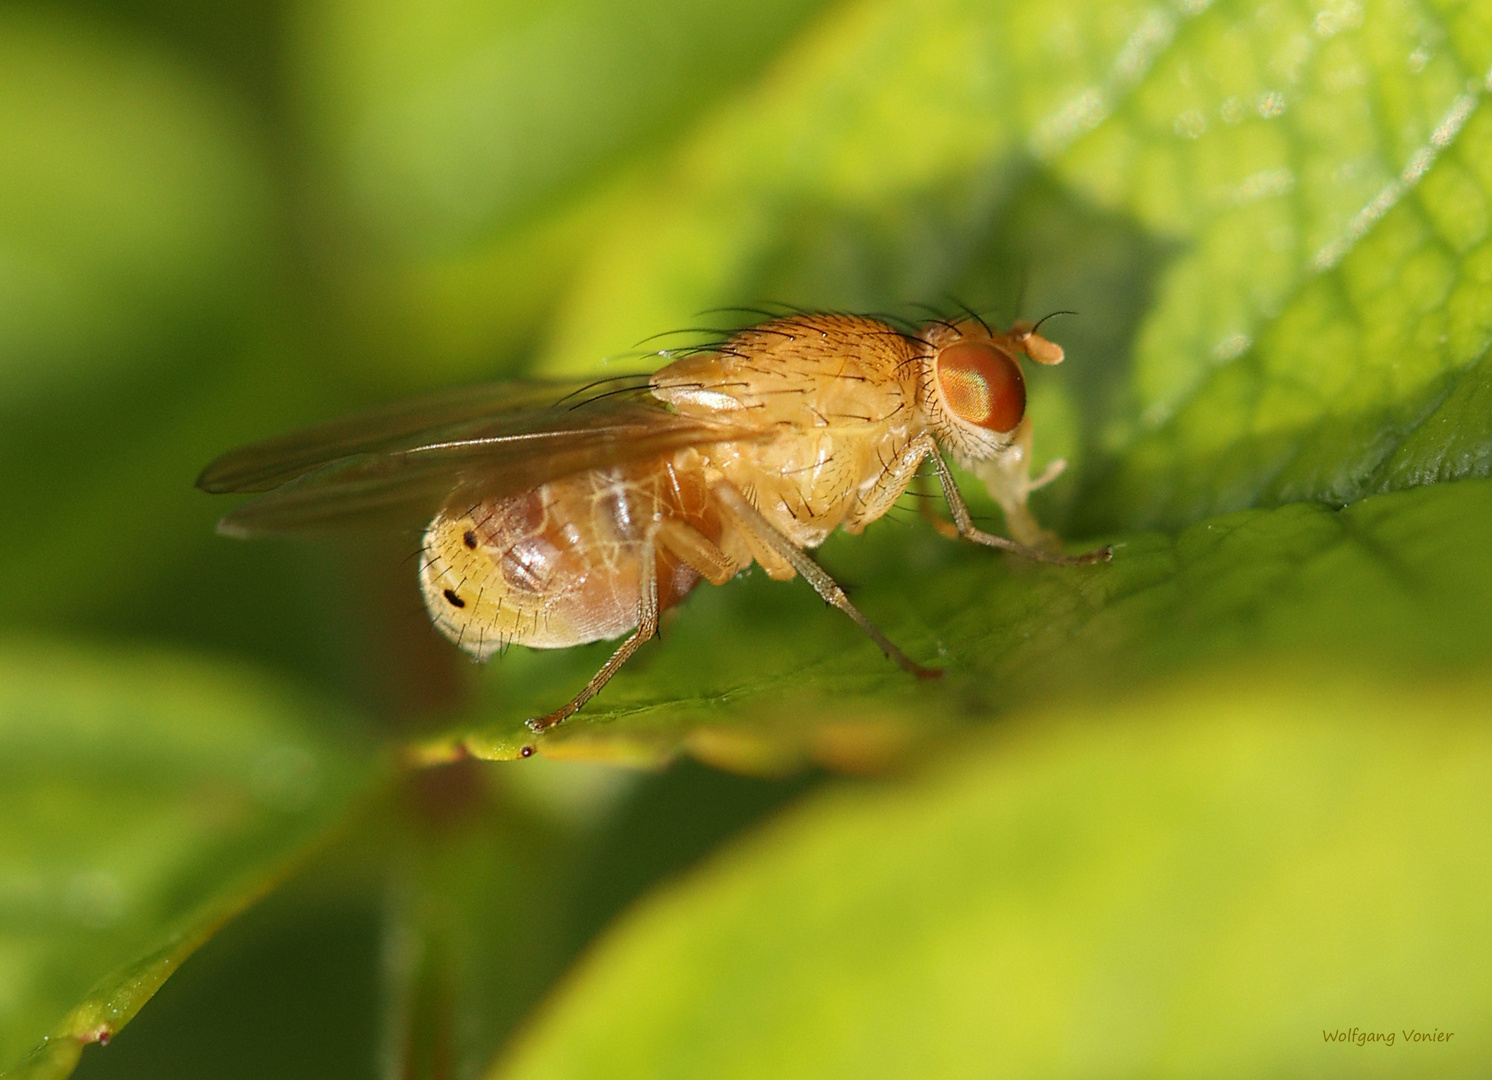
146,800
1196,881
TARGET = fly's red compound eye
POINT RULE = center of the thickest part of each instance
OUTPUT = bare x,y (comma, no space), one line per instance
981,385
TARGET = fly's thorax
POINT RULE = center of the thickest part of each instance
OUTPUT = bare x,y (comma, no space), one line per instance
825,392
803,482
800,372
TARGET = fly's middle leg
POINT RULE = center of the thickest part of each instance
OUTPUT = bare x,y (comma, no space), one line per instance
647,627
750,520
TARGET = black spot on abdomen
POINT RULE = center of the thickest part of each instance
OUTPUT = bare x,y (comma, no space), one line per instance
453,599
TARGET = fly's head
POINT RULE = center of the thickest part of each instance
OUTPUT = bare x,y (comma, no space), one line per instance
972,391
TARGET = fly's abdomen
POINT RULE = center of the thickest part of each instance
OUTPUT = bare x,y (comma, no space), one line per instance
523,571
553,567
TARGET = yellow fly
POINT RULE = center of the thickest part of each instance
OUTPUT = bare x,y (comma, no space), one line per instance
560,515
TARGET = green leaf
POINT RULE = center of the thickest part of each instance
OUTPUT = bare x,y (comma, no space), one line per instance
1312,191
1273,218
1371,376
474,930
131,208
498,877
425,104
1199,880
147,799
479,146
134,225
767,677
1275,222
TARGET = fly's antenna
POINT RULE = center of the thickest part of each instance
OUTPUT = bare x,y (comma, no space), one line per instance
1048,315
1038,348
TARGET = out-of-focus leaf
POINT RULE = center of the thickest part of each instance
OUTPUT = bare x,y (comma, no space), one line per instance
135,229
452,119
131,208
768,677
475,148
301,968
146,800
1208,880
500,877
475,928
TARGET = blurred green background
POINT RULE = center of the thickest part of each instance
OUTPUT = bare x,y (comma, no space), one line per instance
1190,813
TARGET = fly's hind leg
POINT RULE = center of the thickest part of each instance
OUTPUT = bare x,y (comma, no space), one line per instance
696,550
752,522
647,627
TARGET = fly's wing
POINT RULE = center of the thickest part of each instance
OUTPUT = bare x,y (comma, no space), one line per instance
404,426
396,465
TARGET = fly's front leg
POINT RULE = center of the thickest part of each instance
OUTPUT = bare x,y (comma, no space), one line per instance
903,468
1007,476
751,521
966,528
943,527
895,478
647,627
